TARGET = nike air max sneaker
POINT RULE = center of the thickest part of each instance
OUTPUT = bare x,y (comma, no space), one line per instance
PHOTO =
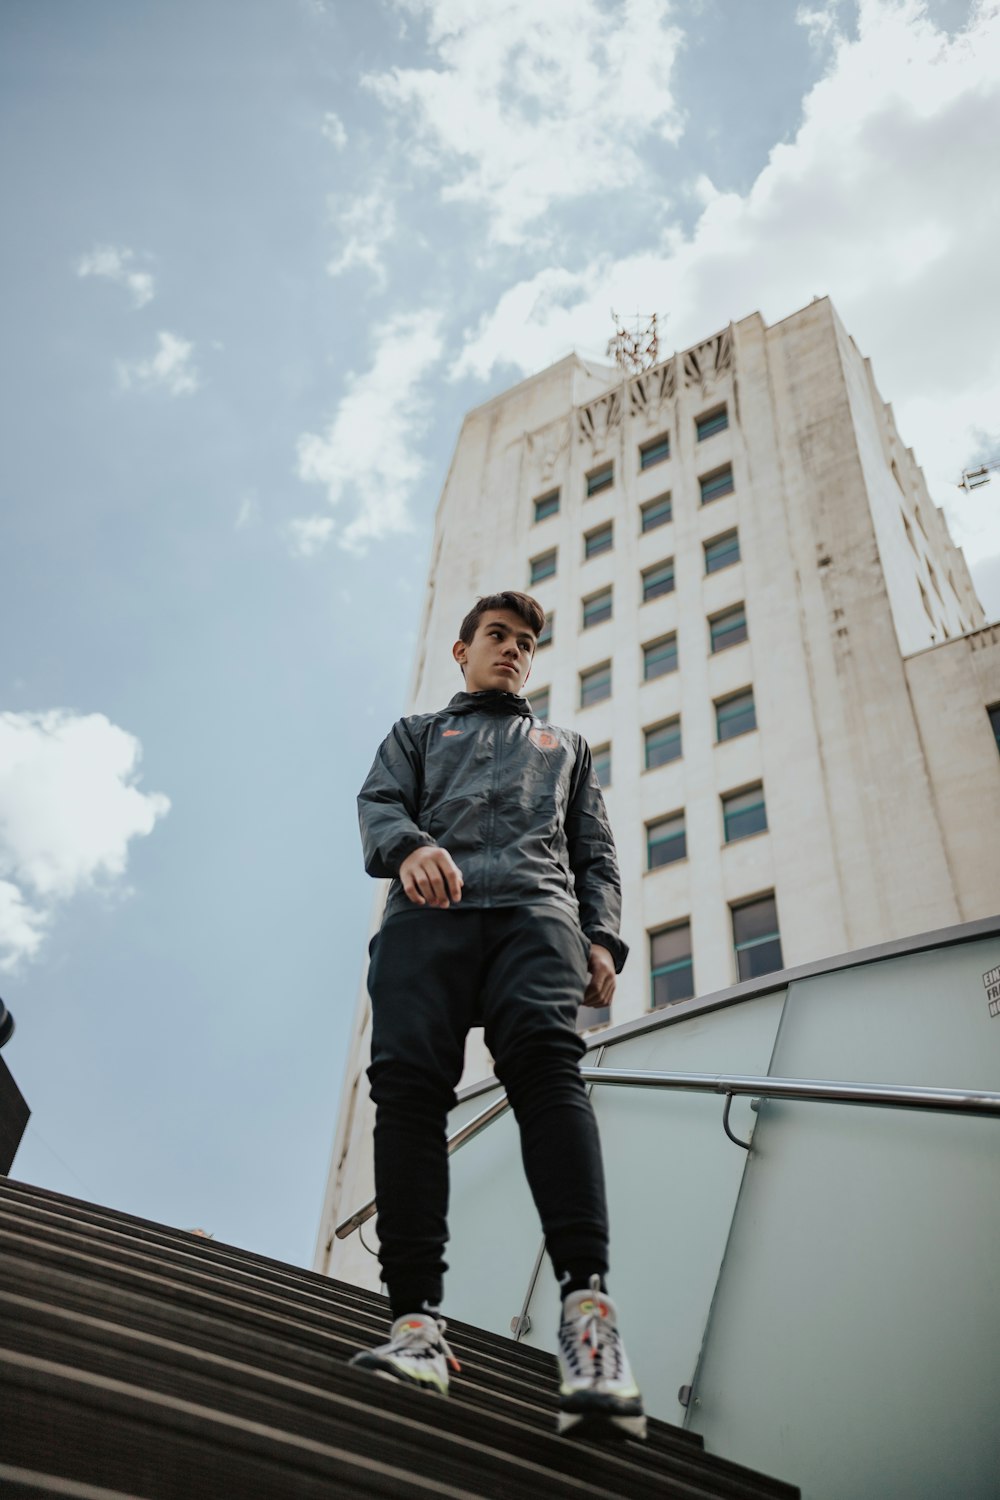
416,1353
597,1393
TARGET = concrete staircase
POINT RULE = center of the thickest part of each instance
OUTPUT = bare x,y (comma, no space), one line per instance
142,1361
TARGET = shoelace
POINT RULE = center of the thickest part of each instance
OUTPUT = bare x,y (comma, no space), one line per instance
597,1331
419,1333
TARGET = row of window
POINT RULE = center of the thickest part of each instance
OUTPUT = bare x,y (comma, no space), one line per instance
744,813
656,512
719,552
657,450
656,581
756,949
735,714
659,657
756,944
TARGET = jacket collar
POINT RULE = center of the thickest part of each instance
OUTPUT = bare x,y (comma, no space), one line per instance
491,701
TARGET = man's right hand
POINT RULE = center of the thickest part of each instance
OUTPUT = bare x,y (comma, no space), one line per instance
430,877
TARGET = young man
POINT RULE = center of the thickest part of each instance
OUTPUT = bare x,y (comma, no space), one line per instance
503,912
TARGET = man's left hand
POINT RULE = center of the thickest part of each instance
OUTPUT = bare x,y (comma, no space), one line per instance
600,991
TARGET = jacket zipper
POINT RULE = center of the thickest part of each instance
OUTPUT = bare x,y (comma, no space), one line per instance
500,723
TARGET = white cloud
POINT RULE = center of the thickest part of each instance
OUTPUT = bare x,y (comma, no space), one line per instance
68,808
22,928
249,511
309,535
366,224
823,21
539,103
368,451
887,199
114,263
171,368
333,130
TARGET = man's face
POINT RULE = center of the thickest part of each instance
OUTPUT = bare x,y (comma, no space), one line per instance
499,655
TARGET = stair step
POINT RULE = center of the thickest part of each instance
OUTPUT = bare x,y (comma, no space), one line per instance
353,1398
143,1361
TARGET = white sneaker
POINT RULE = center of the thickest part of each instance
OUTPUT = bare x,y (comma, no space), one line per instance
598,1392
416,1353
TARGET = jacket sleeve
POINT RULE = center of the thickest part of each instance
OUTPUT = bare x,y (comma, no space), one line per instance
593,860
388,804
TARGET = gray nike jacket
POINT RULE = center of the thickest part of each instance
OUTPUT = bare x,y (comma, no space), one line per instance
513,800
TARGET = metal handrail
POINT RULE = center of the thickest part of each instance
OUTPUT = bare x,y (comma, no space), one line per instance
978,1102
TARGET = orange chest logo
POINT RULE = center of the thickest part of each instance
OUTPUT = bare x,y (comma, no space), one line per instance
543,739
447,733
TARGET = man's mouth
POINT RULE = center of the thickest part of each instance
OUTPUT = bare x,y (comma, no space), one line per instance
505,666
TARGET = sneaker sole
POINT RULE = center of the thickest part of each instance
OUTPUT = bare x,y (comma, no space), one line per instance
383,1368
600,1424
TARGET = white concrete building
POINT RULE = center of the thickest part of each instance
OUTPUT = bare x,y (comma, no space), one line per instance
764,630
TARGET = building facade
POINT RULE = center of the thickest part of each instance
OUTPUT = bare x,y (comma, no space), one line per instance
760,623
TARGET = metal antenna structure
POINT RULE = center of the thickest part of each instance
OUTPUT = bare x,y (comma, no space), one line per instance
636,347
972,479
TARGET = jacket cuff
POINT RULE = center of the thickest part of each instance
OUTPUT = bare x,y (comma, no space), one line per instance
615,945
404,846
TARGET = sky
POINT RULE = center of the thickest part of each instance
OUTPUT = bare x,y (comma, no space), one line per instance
260,257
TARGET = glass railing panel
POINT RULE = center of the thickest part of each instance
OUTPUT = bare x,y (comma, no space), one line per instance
672,1179
494,1226
851,1346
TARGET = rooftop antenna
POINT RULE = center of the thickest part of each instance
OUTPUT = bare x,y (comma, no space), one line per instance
635,347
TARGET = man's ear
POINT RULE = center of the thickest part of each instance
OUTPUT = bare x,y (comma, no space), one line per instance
460,651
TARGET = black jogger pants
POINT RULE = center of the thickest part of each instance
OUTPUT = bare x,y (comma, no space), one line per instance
520,972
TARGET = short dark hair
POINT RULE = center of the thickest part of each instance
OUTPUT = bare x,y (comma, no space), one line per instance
530,611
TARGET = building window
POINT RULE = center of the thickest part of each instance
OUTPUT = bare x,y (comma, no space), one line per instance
662,743
994,714
600,479
595,684
712,421
666,841
658,580
597,608
934,583
909,533
545,638
756,938
716,484
735,715
920,520
656,513
744,813
601,539
543,566
659,657
671,971
729,628
601,755
722,552
547,505
540,703
655,451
